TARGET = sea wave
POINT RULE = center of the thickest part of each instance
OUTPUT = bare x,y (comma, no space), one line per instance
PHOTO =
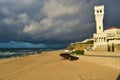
7,53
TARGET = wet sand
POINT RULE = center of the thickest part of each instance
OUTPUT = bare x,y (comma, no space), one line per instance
49,66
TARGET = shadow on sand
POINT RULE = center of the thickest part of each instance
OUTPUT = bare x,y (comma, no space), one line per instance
118,78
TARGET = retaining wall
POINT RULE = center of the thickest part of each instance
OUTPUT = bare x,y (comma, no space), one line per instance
110,61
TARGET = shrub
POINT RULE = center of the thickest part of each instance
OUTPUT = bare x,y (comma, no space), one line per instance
80,52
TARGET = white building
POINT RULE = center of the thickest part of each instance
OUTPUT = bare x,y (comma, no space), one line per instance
105,40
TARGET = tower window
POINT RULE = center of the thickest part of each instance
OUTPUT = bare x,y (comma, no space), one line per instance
99,27
100,11
97,11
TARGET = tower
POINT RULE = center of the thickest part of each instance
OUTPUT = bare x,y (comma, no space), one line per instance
99,15
100,38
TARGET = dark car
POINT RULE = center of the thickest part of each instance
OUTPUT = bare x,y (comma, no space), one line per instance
68,56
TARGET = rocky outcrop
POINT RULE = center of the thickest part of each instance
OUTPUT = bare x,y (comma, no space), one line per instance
80,45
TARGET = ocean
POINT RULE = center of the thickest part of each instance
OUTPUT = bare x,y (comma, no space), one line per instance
18,52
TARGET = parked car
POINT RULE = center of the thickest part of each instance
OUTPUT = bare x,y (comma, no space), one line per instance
68,56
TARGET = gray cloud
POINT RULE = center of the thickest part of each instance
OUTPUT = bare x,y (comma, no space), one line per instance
52,21
62,18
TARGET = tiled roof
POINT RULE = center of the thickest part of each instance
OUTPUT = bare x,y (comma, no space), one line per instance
112,28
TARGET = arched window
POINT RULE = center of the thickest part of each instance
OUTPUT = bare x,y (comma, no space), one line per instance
97,11
100,11
95,39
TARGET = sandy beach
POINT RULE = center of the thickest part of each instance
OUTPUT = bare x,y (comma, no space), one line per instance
49,66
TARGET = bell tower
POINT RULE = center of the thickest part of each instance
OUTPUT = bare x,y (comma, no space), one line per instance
99,15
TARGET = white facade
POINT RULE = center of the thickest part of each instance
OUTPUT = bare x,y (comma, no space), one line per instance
104,40
113,33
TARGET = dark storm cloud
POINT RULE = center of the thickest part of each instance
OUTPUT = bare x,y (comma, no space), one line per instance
53,21
13,44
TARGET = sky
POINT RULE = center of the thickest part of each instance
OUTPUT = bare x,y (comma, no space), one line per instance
51,23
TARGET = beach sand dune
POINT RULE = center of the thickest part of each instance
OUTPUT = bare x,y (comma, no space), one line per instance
49,66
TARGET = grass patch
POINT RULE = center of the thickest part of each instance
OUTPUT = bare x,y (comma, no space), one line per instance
79,52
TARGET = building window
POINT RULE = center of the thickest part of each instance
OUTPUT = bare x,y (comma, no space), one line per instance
99,27
97,11
95,39
100,11
104,39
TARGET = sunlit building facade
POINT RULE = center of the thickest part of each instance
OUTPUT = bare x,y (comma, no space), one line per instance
105,40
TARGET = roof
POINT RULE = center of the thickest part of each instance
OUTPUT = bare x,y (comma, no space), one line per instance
90,38
112,28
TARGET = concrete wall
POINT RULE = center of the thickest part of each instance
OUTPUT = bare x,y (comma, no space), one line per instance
117,47
106,61
95,53
101,48
108,48
110,59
